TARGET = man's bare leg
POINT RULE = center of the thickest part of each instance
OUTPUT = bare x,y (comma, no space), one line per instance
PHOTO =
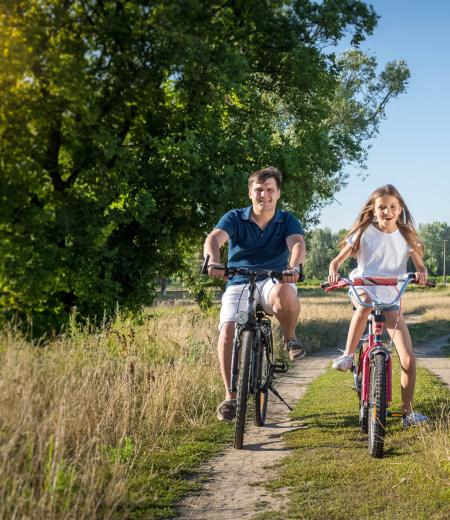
225,348
286,308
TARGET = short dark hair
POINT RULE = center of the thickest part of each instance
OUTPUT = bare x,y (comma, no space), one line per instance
266,173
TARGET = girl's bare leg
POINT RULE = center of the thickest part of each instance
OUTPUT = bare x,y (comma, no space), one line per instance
357,325
403,344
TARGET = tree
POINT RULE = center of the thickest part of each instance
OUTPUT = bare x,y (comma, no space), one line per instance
322,248
433,236
128,126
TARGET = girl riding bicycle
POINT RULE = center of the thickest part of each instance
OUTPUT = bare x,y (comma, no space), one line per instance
382,239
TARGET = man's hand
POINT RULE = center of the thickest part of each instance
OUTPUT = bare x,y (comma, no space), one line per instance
214,272
290,276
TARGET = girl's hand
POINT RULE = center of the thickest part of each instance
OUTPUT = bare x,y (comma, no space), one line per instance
333,278
421,278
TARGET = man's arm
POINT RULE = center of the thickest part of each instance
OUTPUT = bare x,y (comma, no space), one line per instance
214,241
297,250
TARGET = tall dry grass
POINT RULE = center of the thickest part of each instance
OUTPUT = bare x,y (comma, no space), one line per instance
77,414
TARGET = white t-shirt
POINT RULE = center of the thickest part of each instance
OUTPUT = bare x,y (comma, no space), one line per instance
380,254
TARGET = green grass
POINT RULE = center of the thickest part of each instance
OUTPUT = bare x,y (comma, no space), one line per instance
421,332
330,475
164,478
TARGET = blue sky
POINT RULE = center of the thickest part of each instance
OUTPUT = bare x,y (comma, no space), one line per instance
412,149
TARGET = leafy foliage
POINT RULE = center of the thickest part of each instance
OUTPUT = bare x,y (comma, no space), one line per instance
322,246
127,127
433,236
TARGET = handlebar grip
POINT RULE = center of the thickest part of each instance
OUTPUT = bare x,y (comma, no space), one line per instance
205,265
301,276
276,274
428,283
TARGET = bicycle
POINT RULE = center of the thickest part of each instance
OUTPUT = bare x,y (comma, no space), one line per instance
372,363
253,366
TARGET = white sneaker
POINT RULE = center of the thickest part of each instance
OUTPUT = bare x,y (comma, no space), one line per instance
343,363
413,419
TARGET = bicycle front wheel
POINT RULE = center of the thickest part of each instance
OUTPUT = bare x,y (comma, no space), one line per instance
264,371
377,406
243,386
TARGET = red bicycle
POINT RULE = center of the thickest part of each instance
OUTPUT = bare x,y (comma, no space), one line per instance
372,363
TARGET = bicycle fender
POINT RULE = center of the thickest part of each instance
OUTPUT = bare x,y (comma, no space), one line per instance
380,350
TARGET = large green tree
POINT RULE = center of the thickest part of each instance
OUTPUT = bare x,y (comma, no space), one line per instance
128,126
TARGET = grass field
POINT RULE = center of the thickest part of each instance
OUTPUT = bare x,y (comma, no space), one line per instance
111,423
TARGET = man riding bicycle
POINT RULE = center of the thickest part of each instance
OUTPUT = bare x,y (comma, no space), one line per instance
259,237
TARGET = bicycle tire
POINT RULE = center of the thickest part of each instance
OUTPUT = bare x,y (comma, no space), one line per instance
377,406
246,340
264,375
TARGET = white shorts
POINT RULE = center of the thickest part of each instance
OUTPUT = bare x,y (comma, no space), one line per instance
234,299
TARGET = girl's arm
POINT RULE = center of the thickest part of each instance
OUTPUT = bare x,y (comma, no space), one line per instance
333,275
421,270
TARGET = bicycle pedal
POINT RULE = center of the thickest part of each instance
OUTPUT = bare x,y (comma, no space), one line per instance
280,366
395,414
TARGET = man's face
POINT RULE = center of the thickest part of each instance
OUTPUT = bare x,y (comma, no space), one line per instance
264,195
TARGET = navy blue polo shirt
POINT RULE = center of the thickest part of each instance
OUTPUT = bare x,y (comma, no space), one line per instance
256,248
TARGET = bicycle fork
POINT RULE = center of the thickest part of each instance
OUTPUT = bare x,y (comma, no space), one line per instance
235,353
375,347
235,362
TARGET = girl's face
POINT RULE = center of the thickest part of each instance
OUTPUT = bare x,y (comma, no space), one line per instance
387,210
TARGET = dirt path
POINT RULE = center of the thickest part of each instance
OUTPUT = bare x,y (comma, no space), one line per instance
234,480
430,356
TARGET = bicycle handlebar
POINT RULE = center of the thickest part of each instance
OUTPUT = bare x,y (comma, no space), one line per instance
375,281
230,271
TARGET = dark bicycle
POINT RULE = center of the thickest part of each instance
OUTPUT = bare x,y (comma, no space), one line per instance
252,364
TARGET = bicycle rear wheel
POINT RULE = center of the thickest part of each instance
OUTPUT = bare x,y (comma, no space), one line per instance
264,375
377,406
243,386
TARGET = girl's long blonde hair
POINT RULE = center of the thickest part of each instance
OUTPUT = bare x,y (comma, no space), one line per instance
405,222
